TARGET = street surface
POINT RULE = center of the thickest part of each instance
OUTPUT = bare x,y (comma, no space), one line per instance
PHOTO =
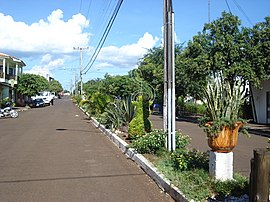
243,152
53,154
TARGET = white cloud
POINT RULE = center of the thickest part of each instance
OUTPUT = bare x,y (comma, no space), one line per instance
48,44
127,56
47,64
52,35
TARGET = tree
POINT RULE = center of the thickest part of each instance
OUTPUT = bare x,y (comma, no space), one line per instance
151,67
151,70
31,84
224,47
55,86
258,50
115,86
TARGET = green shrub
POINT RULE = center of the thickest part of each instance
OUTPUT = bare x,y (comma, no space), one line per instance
140,124
3,101
194,108
197,185
236,187
183,159
155,141
77,99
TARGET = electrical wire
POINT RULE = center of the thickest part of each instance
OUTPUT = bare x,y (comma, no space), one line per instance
103,38
228,6
80,6
101,17
243,12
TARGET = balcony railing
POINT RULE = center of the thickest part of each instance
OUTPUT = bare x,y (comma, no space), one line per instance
7,76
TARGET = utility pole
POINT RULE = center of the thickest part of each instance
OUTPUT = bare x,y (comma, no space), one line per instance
81,66
169,76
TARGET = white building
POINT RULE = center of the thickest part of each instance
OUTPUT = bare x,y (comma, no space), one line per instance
261,103
10,69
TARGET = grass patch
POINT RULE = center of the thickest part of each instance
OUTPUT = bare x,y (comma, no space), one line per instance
188,169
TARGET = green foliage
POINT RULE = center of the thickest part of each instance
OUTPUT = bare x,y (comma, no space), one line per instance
236,187
55,86
31,84
183,159
257,51
98,103
194,108
3,101
115,86
117,114
153,142
140,124
77,99
223,102
181,102
195,182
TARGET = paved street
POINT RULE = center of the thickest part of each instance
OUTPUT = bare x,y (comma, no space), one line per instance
55,154
243,152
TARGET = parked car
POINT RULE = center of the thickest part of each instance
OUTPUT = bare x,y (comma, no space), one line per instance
38,102
47,96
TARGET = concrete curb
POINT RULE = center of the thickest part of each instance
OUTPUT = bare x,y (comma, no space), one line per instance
147,166
140,160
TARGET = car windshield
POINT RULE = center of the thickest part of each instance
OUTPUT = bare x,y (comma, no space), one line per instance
43,93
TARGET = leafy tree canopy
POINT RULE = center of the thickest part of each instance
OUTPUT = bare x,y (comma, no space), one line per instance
55,86
31,84
115,86
237,52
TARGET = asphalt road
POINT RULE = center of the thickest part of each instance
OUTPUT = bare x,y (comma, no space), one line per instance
54,154
243,152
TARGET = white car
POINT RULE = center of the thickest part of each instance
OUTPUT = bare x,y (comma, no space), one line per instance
47,96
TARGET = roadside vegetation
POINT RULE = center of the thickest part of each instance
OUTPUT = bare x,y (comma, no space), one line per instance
123,103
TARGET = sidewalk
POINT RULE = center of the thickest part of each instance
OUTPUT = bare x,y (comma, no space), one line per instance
259,129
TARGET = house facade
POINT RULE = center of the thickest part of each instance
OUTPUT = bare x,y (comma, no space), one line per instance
10,70
261,103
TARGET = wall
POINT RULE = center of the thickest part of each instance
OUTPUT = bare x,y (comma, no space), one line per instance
259,96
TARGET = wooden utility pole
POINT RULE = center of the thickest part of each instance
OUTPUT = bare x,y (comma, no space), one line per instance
169,76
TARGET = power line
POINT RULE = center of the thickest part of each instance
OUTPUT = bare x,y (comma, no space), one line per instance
243,12
103,38
80,6
98,21
228,6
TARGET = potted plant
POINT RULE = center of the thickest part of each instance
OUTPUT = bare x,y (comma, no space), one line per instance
223,100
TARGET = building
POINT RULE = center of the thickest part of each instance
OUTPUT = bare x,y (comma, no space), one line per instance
10,70
261,103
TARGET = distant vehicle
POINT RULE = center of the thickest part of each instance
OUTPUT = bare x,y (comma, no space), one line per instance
156,109
47,96
38,102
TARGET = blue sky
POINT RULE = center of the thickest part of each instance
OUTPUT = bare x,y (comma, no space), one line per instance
43,33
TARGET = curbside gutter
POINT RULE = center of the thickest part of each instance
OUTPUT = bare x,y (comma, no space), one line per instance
140,160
